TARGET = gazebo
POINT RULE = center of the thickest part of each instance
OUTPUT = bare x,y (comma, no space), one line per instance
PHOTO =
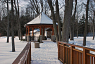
42,21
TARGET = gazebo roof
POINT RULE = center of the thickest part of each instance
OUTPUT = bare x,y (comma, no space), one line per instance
41,19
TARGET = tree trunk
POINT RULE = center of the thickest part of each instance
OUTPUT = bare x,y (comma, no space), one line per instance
77,25
7,22
86,23
72,23
59,23
12,26
93,24
19,24
41,1
54,22
67,18
93,28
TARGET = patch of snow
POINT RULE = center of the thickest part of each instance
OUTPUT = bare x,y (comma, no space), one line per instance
6,54
79,41
46,54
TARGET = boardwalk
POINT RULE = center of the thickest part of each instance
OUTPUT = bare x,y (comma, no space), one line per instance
46,54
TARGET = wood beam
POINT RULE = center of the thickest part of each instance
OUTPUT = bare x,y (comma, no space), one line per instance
52,31
28,31
32,31
43,31
40,31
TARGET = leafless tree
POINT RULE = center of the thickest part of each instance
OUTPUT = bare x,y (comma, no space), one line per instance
86,23
67,18
54,21
72,23
12,26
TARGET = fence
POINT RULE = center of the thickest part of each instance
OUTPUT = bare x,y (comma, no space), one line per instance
25,56
74,54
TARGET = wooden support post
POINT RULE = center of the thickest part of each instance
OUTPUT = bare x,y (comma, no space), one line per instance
26,31
32,31
52,31
64,53
40,31
43,31
58,50
85,61
71,58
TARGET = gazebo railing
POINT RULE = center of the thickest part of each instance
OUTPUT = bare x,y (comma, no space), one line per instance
25,56
74,54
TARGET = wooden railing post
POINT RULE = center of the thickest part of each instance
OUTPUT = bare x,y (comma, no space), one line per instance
30,53
58,50
85,61
63,53
71,54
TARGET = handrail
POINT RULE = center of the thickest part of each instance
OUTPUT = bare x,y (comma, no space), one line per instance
70,54
25,56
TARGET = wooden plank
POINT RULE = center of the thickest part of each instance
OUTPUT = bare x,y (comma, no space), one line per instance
77,57
71,54
94,60
91,54
84,56
58,50
91,60
68,55
78,50
80,58
88,59
63,53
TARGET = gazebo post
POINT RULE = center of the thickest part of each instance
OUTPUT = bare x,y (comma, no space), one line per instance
52,31
32,33
43,33
28,31
40,37
53,36
28,36
40,31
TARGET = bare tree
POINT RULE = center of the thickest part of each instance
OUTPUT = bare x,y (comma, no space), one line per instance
86,23
12,26
54,21
72,23
58,20
67,18
7,21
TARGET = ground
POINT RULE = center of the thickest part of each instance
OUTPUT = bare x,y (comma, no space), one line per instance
46,54
6,54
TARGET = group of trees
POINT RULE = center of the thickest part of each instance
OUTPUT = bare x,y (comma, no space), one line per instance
76,18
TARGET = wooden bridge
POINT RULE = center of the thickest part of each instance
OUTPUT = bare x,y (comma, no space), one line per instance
67,54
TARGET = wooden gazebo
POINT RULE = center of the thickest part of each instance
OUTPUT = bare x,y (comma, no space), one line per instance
42,21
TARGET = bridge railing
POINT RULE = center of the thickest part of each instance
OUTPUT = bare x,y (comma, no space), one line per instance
74,54
25,56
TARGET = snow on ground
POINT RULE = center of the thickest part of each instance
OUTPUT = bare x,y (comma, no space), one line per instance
46,54
6,54
79,41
